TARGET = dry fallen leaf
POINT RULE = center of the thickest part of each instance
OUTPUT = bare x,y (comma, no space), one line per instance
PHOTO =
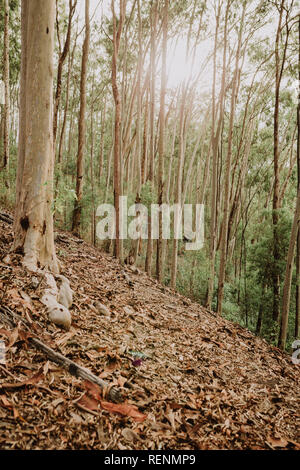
121,381
296,444
277,442
5,401
35,379
13,337
89,403
130,435
27,301
93,390
63,339
75,418
18,300
4,332
124,409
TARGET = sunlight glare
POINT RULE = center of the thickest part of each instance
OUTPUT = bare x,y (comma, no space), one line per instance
182,68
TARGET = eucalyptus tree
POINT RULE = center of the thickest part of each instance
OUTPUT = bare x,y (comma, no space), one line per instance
6,85
33,223
81,123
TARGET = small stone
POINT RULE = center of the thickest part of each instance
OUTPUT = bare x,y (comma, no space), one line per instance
129,310
7,259
102,309
60,316
35,282
65,294
75,418
130,435
135,270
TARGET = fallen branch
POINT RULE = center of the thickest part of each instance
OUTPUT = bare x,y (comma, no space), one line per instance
59,237
74,369
6,218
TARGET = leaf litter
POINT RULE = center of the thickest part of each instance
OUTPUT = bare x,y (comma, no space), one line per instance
190,379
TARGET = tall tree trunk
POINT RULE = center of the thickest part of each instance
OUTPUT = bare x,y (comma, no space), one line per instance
288,277
215,146
63,129
145,142
61,60
178,190
101,145
6,85
81,125
171,158
161,143
224,233
138,161
66,109
117,31
33,223
93,215
260,312
154,15
297,317
279,66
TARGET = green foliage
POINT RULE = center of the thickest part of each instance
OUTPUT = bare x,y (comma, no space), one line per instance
250,266
147,195
14,40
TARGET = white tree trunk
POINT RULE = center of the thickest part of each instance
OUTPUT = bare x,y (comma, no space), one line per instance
7,89
34,193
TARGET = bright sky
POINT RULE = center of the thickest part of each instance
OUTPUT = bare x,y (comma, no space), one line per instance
177,66
176,58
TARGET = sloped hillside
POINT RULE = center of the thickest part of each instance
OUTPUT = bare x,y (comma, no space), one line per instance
189,379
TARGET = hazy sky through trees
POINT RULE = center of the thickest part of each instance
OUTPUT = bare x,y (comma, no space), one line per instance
177,65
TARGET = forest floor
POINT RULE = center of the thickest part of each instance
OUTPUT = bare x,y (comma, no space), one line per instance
189,379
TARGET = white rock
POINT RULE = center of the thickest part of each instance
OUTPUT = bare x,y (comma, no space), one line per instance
60,316
7,259
129,310
65,296
51,283
102,308
58,313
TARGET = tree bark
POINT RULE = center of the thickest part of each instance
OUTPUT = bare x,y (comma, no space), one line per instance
178,190
215,145
154,15
279,65
161,143
288,277
66,109
6,85
297,316
117,31
224,235
260,313
81,125
33,225
101,145
61,61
